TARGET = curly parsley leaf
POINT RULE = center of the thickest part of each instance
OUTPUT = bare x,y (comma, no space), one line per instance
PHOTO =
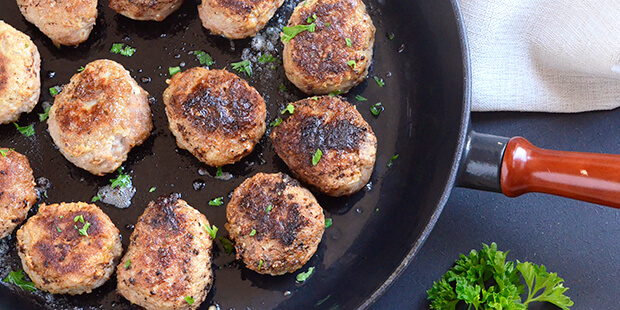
123,180
27,131
120,48
537,278
17,278
204,58
290,108
243,66
289,33
45,115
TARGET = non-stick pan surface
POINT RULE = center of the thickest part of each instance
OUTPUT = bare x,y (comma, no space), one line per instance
374,231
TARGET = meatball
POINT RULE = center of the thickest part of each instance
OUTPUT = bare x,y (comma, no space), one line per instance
169,257
156,10
65,22
275,223
20,65
346,142
17,193
69,248
337,54
237,19
99,116
215,115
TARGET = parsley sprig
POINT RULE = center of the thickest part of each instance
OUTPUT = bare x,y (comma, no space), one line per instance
17,278
243,66
289,33
484,280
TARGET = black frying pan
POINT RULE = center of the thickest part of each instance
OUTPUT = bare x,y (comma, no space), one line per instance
375,232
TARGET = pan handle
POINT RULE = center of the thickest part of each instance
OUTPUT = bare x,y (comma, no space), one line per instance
515,167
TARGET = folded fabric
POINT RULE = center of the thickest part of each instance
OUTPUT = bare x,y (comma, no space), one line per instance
544,55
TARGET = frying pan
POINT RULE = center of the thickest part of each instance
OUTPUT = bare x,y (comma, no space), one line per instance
374,233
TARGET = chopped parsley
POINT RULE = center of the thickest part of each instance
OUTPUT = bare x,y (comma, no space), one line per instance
316,157
352,63
55,90
360,98
315,98
290,108
335,93
303,276
152,189
260,264
96,198
78,218
84,230
390,36
269,208
212,231
289,33
328,222
379,81
45,115
26,130
123,180
265,58
391,162
127,264
3,152
276,122
311,18
204,58
120,48
81,69
189,300
217,201
376,109
327,25
17,278
174,70
253,232
282,87
58,228
348,41
227,245
243,66
219,172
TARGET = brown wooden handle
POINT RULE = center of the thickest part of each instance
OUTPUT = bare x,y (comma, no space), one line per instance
585,176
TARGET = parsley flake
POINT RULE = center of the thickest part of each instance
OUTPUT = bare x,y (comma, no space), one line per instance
81,69
328,222
348,41
360,98
58,229
289,33
327,25
204,58
352,63
276,122
391,162
84,229
376,109
96,198
189,300
212,230
290,108
17,278
303,276
217,201
282,87
243,66
152,189
260,264
55,90
3,152
26,130
227,245
219,172
265,58
174,70
253,232
45,115
127,264
269,208
335,93
379,81
311,18
120,48
123,180
390,36
316,157
78,218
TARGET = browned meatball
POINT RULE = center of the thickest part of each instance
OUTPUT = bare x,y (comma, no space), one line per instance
275,223
66,22
99,116
337,54
69,248
20,66
237,19
156,10
215,115
335,127
169,257
17,194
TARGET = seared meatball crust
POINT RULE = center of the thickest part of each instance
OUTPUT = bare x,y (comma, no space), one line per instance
99,116
20,66
17,193
69,248
215,115
335,56
347,143
275,223
65,22
156,10
169,257
237,19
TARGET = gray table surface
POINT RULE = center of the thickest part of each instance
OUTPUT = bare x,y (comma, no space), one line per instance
579,241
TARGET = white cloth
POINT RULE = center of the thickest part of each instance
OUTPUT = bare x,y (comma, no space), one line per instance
544,55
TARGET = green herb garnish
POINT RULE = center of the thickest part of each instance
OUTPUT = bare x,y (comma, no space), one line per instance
348,41
243,66
174,70
379,81
289,33
282,87
311,18
26,130
204,58
290,108
316,157
265,58
152,189
120,48
123,180
127,263
217,201
81,69
58,229
485,280
17,278
253,232
45,115
352,64
303,276
260,264
376,109
276,122
3,152
328,223
79,218
218,173
189,300
84,229
212,231
335,93
55,90
227,245
269,207
327,25
96,198
391,162
360,98
391,36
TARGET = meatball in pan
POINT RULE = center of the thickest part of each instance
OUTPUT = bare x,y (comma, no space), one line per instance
156,10
169,257
327,144
17,193
215,115
336,53
275,223
20,66
69,248
237,19
99,116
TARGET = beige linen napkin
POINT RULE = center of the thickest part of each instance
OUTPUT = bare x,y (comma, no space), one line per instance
544,55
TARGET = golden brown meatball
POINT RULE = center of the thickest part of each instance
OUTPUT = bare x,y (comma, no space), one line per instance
237,19
156,10
20,66
69,248
99,116
169,257
17,193
337,54
66,22
275,223
215,115
335,127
